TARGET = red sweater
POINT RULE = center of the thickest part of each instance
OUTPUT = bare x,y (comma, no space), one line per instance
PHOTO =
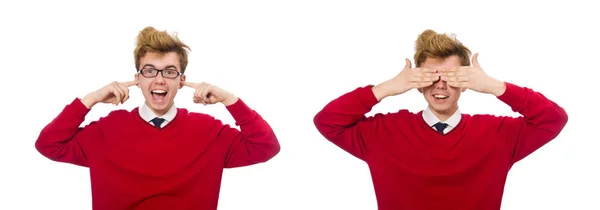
134,165
414,167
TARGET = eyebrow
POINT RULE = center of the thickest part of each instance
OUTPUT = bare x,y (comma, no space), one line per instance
167,67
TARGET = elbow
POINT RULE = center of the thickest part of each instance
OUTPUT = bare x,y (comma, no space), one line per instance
45,149
565,117
318,122
326,127
265,151
272,149
562,119
48,146
557,124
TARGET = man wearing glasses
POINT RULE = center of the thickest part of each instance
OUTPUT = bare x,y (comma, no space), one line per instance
157,156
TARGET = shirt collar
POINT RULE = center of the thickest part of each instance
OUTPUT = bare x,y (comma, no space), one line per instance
431,119
148,115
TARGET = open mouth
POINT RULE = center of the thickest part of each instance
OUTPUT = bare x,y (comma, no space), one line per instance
440,97
158,95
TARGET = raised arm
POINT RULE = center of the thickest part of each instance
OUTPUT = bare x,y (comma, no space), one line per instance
343,121
63,139
542,120
254,143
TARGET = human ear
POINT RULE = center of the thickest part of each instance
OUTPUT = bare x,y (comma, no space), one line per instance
181,80
137,79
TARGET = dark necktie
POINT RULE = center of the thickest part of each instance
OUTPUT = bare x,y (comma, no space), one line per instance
158,121
440,126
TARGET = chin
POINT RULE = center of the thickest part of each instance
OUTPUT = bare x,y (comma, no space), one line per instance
159,107
159,103
441,107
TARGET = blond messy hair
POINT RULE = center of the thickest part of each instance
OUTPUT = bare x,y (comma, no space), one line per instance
431,44
152,40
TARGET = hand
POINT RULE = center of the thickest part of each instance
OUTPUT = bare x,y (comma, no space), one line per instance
473,77
406,80
115,93
210,94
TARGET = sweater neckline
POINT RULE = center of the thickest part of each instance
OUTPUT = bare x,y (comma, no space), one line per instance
459,125
168,126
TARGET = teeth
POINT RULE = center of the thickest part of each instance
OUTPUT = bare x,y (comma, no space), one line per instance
159,91
440,96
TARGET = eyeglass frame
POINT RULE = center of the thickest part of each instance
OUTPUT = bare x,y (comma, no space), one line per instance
161,73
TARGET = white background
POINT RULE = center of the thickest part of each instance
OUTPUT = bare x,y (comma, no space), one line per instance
287,59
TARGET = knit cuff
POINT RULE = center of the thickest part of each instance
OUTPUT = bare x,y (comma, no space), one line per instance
366,97
240,111
514,96
76,109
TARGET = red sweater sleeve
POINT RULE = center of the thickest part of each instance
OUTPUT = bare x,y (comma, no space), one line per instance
541,121
62,139
343,121
255,142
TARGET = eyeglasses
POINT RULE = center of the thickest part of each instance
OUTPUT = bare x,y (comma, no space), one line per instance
150,72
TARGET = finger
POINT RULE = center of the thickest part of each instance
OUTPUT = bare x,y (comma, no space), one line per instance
456,79
199,93
423,73
200,90
449,74
117,92
455,72
458,84
190,84
209,100
122,93
197,98
453,69
474,60
462,78
125,92
433,76
130,83
427,74
199,101
430,78
206,92
417,78
422,84
427,70
212,98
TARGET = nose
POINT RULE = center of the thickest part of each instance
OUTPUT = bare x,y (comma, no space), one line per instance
440,84
159,79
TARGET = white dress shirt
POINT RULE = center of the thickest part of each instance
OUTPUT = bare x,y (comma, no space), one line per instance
431,119
148,114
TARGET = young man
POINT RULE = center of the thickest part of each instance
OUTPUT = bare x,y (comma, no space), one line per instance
440,158
157,156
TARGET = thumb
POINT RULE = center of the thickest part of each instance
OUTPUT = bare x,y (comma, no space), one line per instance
408,64
474,60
